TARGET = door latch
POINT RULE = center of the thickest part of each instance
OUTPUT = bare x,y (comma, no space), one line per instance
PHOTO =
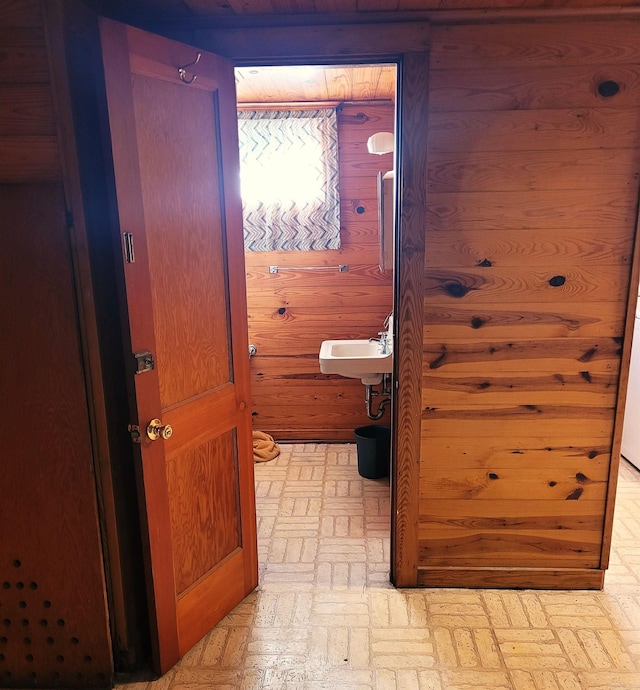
134,432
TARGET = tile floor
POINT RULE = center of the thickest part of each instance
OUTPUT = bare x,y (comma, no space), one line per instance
325,615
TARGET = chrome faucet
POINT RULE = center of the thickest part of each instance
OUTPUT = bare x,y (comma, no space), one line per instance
384,343
384,337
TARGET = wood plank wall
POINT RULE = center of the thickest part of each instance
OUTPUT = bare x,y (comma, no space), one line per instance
533,188
292,312
55,629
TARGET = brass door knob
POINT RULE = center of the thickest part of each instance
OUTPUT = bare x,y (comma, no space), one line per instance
156,429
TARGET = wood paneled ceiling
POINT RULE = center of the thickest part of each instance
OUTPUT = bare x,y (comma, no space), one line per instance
158,10
315,83
307,84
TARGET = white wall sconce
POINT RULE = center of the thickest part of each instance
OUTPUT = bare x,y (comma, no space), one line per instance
381,142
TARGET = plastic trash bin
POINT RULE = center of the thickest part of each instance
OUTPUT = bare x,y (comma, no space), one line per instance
373,444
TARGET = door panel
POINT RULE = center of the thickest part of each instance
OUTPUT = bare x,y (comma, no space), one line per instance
187,267
177,185
204,533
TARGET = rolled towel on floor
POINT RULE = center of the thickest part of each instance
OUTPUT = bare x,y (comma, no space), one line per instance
264,447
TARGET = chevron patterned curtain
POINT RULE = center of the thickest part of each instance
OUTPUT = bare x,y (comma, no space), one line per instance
289,178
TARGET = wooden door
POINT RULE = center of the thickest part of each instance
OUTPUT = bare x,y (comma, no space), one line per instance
176,169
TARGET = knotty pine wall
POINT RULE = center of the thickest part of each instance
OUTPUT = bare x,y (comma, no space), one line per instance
53,601
293,311
532,196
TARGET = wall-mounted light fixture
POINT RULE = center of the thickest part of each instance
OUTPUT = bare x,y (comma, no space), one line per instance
381,142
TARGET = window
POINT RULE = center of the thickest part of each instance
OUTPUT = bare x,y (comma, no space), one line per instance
289,178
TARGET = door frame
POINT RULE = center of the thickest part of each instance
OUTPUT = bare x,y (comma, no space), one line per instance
407,45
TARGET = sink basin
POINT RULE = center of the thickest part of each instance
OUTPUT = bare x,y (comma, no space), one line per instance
355,359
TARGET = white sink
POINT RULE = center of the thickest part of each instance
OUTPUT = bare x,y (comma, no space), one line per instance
355,359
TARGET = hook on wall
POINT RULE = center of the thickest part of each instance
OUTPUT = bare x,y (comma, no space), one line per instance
182,71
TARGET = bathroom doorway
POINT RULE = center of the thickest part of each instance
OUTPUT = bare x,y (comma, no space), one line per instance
299,296
312,505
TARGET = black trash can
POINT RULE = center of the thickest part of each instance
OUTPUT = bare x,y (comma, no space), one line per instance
373,444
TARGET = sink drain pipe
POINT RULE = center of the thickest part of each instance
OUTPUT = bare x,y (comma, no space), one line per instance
371,392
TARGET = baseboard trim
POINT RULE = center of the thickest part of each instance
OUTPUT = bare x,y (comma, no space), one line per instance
512,578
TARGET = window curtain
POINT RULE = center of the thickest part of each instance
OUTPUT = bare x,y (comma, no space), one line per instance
289,177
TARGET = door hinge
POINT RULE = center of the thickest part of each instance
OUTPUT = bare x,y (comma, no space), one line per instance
144,362
129,252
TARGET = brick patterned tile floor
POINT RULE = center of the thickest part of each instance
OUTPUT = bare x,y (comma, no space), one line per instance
326,616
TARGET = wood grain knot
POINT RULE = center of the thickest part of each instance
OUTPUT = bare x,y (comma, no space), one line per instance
439,361
456,290
588,355
557,281
532,408
477,322
608,88
485,263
